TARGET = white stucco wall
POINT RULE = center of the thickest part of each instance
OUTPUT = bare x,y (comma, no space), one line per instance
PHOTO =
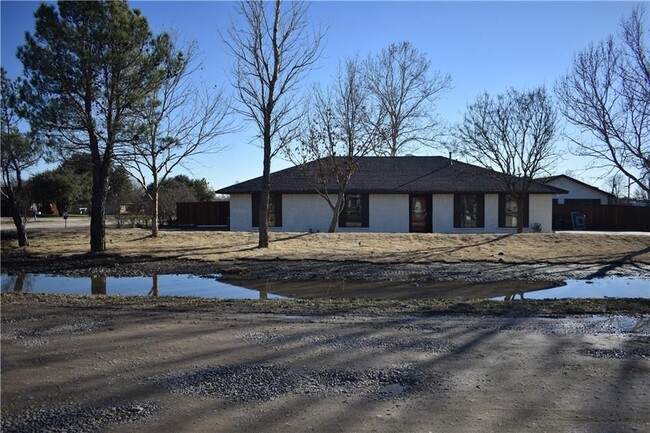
540,210
240,213
387,213
442,206
576,191
491,222
302,212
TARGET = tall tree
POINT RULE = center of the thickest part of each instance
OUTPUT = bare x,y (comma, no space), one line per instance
20,152
201,188
62,186
172,192
607,94
89,64
513,134
342,126
176,123
401,79
272,51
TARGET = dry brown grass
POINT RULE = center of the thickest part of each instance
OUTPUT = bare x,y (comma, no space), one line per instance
368,247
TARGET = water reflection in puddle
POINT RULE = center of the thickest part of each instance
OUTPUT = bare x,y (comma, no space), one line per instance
612,287
189,285
158,285
499,290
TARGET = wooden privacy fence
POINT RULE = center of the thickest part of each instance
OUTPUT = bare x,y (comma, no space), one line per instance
209,213
603,217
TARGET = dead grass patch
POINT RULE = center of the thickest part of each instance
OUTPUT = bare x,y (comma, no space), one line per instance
365,247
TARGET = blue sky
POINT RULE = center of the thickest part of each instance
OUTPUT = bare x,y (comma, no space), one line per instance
484,46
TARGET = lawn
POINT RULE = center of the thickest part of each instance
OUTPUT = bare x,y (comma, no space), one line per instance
365,247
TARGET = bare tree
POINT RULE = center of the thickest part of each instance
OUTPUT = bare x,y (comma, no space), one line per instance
401,80
342,127
175,123
513,134
272,51
616,185
20,152
607,94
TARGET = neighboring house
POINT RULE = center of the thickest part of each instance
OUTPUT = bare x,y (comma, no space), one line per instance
394,194
577,192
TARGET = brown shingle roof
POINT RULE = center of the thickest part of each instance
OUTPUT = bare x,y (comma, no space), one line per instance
389,175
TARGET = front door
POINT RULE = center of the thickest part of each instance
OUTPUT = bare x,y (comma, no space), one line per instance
420,214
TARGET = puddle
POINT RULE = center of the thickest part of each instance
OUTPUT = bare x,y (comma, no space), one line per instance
615,287
612,287
190,285
159,285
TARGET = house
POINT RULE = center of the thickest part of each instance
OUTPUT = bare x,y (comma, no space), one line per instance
394,194
577,192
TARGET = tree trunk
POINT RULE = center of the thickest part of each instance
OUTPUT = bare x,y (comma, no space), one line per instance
19,222
20,282
97,229
263,218
154,207
21,233
98,285
154,285
98,211
336,212
266,189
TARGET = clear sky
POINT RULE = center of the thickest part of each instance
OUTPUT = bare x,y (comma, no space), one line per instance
484,46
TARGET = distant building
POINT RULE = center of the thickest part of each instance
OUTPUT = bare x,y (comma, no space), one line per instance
577,192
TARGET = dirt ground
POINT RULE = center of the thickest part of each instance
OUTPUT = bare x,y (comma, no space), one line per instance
112,364
87,365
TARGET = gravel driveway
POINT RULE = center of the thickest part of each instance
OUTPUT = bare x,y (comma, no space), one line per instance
143,369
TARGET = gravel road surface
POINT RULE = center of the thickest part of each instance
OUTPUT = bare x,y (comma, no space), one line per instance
127,368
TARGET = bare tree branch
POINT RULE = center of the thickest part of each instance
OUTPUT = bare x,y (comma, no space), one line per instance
175,123
400,79
607,94
272,51
513,134
342,126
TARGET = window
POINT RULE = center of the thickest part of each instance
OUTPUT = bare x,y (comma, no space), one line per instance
469,210
275,210
355,211
508,211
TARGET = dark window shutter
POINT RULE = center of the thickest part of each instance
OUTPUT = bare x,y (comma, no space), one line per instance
365,216
457,210
502,210
526,210
278,210
480,209
429,226
255,208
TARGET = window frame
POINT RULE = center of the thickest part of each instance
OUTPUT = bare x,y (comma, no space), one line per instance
364,211
460,210
275,204
503,199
